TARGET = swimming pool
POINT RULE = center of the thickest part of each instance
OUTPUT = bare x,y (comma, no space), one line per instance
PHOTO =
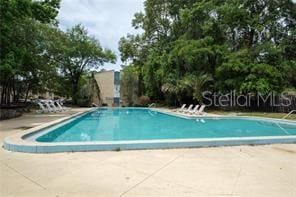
140,128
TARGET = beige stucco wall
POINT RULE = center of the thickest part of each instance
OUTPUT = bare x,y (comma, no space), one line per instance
105,81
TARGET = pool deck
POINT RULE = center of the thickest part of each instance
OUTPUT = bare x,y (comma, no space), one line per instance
268,170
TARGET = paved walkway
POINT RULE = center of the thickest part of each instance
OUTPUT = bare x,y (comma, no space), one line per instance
222,171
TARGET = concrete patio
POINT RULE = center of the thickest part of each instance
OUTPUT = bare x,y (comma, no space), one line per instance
223,171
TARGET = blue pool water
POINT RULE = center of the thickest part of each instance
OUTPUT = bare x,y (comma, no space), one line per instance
120,124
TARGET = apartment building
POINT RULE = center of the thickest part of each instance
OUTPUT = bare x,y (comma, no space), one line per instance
109,84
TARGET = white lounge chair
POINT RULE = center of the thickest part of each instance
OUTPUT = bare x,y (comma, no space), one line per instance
201,110
62,105
188,109
194,110
180,109
59,106
42,108
51,103
94,105
49,108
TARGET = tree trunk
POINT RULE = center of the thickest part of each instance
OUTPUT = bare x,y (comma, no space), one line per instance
3,92
74,93
140,91
27,92
8,91
251,37
75,81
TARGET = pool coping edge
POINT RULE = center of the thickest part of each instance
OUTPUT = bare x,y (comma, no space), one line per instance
17,142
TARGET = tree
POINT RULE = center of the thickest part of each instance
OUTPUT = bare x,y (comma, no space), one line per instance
22,65
129,85
244,45
76,52
257,62
191,85
89,91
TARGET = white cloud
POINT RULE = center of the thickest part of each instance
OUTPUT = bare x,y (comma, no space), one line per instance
107,20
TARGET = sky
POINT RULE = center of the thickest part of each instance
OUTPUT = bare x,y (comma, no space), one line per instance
106,20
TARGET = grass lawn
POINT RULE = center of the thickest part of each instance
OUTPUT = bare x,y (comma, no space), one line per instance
260,114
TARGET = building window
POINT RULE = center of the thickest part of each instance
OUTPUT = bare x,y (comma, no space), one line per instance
116,78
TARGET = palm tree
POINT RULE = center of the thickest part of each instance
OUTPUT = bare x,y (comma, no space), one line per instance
195,83
192,84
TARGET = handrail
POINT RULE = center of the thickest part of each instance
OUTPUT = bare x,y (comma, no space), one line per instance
152,104
287,115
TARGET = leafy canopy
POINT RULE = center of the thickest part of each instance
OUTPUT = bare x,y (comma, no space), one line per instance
242,45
